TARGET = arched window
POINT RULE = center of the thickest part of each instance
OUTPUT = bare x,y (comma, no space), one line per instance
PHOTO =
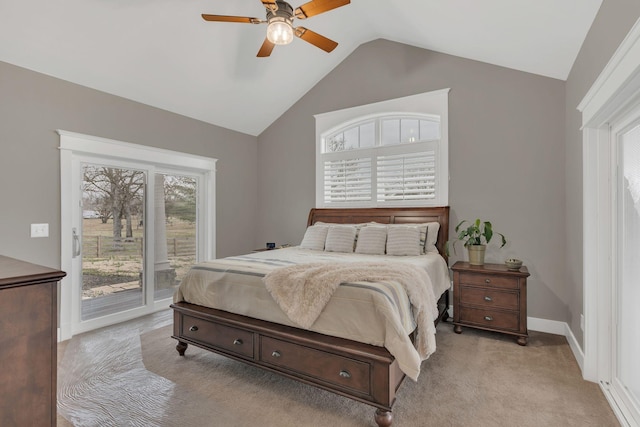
387,157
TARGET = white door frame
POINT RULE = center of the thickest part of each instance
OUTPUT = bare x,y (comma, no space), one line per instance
611,97
77,148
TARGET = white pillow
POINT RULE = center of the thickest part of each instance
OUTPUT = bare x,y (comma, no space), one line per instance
432,238
372,240
423,233
340,238
403,240
314,237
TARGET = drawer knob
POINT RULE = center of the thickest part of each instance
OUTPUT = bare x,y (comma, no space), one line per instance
344,374
276,354
237,341
487,280
488,318
488,298
193,328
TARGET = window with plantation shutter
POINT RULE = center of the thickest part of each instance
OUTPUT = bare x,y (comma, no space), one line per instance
347,180
410,176
367,156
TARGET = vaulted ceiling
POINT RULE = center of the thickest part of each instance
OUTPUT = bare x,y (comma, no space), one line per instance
162,53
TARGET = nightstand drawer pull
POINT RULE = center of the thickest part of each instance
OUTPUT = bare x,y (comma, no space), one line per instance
488,298
276,354
487,280
193,328
237,341
488,318
344,374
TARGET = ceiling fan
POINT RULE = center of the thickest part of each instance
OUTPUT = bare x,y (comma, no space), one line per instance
280,29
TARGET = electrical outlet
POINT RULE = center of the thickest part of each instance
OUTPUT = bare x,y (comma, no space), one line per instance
582,322
39,230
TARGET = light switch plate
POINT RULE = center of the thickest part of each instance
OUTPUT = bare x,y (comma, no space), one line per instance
39,230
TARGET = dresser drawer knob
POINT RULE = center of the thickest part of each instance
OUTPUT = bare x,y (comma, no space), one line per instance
276,354
345,374
488,318
488,298
237,341
193,328
487,280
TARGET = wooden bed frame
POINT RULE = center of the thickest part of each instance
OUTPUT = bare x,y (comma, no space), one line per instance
362,372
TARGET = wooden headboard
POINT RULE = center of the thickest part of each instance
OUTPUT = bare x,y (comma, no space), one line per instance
387,216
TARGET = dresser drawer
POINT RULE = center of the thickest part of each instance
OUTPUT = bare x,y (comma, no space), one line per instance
490,318
488,280
331,368
233,340
489,297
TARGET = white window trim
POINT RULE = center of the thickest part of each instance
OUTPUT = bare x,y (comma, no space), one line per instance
435,103
614,92
74,146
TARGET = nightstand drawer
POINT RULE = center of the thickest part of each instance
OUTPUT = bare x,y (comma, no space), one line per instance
488,280
488,297
490,318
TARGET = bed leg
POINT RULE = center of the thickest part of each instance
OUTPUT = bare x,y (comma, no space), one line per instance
182,347
383,418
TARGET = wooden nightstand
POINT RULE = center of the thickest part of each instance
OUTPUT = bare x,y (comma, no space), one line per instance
490,297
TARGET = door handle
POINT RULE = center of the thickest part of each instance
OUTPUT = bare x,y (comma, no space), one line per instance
77,247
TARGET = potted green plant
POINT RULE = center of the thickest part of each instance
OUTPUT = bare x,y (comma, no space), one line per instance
476,235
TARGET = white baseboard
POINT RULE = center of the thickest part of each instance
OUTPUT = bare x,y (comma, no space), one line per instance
558,328
548,326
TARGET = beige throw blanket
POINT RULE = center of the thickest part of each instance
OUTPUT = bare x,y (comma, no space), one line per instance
303,290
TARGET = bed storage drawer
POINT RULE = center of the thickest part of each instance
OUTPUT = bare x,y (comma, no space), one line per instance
488,297
320,365
230,339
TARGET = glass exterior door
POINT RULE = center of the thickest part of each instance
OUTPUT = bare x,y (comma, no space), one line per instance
175,231
113,240
134,218
626,348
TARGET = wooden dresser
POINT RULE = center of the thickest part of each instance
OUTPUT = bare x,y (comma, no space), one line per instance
490,297
28,343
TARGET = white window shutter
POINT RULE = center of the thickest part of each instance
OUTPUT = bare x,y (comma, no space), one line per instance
347,180
408,176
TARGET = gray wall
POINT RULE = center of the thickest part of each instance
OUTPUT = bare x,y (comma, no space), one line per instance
506,136
33,106
515,153
613,22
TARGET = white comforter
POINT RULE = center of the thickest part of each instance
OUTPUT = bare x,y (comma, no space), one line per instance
374,313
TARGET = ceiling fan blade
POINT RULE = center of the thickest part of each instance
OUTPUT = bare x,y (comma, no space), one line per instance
266,49
315,39
270,5
316,7
225,18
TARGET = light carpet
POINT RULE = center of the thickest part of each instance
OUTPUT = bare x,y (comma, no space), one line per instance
131,375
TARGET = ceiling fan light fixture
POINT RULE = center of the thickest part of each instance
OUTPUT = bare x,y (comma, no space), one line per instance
280,30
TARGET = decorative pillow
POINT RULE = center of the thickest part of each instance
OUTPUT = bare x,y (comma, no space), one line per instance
340,238
314,237
403,240
423,233
357,226
372,240
432,238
